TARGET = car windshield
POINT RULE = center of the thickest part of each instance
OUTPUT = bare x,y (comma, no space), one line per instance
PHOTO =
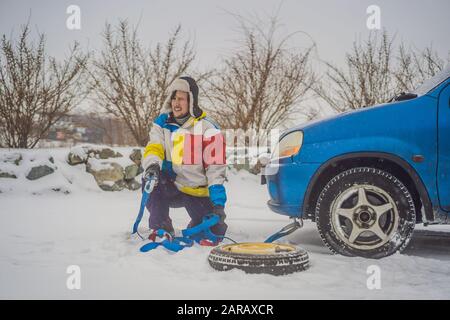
433,82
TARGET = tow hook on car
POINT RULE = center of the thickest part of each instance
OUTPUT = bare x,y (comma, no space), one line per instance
290,228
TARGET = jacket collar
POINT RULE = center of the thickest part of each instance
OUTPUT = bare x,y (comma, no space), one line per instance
189,123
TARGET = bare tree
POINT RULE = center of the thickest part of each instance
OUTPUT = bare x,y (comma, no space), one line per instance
263,82
368,79
414,67
35,90
375,73
130,82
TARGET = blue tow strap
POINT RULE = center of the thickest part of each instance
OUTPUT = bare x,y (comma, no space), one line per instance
189,236
148,188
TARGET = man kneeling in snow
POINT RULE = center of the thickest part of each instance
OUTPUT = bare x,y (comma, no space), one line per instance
186,156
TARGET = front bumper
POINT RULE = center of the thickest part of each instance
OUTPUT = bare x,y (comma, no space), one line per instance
288,210
287,187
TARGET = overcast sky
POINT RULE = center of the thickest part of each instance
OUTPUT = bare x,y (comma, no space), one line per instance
333,24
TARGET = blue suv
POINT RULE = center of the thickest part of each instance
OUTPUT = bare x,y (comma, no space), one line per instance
367,177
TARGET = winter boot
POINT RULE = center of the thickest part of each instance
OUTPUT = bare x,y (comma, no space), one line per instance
160,233
209,243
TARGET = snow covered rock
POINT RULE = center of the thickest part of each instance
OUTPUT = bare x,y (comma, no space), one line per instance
39,172
64,170
131,171
9,163
80,154
74,159
112,171
77,155
105,153
136,156
108,175
4,174
13,158
118,185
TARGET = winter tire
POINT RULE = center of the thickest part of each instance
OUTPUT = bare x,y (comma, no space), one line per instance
365,212
271,258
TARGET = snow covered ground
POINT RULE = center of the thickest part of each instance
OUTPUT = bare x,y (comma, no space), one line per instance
43,231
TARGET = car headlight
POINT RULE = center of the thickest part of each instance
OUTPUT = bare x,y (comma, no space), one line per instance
289,145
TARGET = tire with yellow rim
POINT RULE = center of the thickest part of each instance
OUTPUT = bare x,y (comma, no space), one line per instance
257,257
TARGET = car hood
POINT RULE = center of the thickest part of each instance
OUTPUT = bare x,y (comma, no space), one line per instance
362,122
335,118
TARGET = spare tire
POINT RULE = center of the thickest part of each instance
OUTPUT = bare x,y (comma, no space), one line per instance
257,257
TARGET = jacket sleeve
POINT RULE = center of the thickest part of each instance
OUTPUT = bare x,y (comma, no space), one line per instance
154,151
214,161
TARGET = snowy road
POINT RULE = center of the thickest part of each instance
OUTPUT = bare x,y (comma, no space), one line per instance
41,235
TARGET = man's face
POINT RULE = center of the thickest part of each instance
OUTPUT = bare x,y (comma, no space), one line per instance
180,105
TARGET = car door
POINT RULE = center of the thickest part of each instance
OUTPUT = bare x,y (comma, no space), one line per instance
443,174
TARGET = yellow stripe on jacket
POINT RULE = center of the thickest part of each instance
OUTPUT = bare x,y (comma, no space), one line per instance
196,192
155,149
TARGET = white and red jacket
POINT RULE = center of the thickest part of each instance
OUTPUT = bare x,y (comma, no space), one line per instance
192,154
